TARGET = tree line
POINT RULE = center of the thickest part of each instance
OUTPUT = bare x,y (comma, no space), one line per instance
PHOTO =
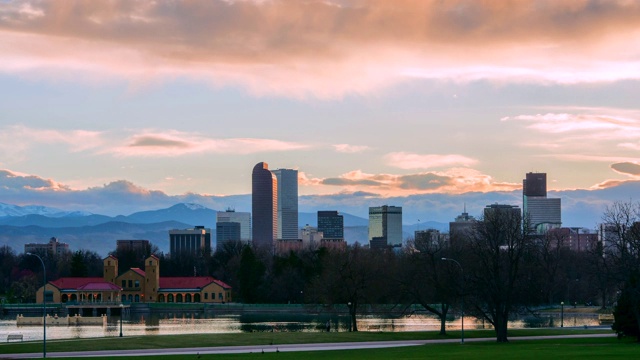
496,270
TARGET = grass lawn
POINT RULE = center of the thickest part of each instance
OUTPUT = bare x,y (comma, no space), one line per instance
260,338
596,348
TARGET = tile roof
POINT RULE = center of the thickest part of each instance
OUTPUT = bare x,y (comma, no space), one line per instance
99,286
73,283
138,271
193,282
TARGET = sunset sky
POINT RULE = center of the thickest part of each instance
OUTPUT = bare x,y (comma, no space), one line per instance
384,98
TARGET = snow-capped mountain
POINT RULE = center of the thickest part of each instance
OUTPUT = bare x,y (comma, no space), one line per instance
15,210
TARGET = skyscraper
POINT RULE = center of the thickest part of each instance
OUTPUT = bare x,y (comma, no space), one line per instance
287,203
460,229
244,218
541,213
331,224
385,226
196,241
264,205
226,232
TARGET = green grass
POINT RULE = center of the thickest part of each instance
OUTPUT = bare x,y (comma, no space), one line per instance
259,338
594,348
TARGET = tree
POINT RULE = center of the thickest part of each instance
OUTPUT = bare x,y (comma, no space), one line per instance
352,277
495,257
8,261
427,280
622,243
78,265
250,275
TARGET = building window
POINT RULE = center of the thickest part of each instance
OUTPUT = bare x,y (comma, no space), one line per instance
150,263
213,296
137,283
206,296
130,283
124,283
220,296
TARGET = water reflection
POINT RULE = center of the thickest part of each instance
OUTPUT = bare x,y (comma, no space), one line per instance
204,323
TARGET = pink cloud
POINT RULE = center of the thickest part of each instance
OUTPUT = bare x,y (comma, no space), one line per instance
324,46
350,149
452,181
16,140
404,160
175,143
608,134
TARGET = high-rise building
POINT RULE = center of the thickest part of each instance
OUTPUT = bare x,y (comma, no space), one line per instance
385,226
133,245
535,184
243,218
194,241
500,220
502,210
264,206
331,224
461,228
287,203
226,232
540,212
427,237
52,247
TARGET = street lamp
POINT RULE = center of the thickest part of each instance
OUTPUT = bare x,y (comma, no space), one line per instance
349,307
44,306
462,291
121,314
562,314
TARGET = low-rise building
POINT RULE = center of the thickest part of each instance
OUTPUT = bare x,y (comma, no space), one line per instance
136,285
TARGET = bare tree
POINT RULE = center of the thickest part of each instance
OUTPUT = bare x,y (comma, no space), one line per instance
495,256
352,277
427,280
621,239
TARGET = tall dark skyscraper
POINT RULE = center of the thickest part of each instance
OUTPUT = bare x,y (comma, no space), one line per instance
287,203
331,224
264,205
542,213
535,184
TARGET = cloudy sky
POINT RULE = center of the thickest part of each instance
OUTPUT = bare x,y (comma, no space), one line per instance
391,99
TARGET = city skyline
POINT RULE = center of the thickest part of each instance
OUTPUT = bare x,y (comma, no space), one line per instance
114,109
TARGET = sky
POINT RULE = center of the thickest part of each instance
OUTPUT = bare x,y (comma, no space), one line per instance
113,106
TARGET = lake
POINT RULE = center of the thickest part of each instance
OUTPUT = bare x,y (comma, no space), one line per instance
203,323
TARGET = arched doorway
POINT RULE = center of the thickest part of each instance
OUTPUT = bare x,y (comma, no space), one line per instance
187,298
179,298
170,298
196,298
161,298
137,298
64,298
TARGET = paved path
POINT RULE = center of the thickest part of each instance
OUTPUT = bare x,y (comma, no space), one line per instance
282,348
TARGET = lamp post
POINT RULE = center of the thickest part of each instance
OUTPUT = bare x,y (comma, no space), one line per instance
462,295
44,306
349,307
562,314
121,314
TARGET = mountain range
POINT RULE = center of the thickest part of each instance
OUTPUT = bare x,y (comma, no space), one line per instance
82,230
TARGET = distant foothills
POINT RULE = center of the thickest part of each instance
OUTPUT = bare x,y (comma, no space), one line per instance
81,230
85,230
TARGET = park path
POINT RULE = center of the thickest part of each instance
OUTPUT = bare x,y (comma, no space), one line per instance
281,348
